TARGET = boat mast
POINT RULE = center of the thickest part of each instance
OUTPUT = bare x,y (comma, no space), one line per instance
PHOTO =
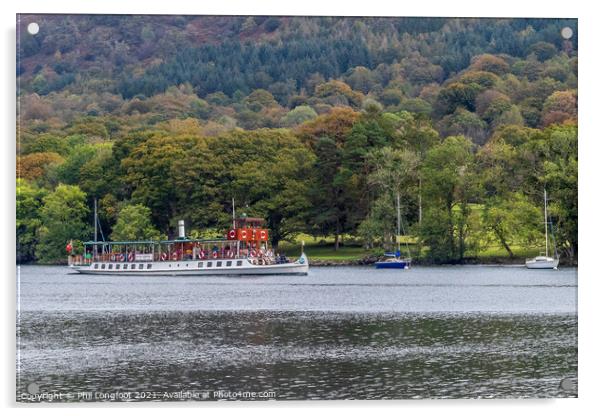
234,228
233,215
545,214
95,226
398,223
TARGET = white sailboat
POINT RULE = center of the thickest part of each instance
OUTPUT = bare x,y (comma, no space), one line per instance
544,261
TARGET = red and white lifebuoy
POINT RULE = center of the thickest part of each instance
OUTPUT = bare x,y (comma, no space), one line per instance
203,254
215,254
243,234
120,257
131,257
254,234
263,235
112,257
163,256
232,234
231,253
174,256
253,253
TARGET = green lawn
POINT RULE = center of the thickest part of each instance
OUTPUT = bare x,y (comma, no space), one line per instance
323,249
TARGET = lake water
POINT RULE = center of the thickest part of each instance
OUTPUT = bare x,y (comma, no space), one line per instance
338,333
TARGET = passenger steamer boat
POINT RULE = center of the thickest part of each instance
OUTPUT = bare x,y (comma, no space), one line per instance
244,251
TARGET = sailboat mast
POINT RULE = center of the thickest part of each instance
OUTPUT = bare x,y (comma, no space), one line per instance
398,223
233,215
95,225
545,214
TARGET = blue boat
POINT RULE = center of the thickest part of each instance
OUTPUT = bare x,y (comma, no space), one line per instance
394,260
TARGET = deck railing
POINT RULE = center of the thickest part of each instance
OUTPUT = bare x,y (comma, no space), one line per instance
118,257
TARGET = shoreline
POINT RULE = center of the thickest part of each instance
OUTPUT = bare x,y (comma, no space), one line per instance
493,261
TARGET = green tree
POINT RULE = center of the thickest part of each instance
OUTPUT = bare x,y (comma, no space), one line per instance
267,174
29,201
560,177
298,115
171,175
513,220
63,216
394,174
327,215
134,223
449,185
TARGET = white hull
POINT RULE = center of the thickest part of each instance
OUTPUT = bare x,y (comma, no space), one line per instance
237,267
542,263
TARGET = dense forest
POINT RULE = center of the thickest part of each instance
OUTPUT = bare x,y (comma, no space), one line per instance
314,123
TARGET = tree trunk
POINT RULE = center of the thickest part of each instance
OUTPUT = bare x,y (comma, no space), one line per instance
504,242
336,242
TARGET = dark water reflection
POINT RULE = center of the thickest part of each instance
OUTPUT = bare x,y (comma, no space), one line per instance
295,354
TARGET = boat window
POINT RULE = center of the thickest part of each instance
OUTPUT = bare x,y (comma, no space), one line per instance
110,266
228,263
141,266
209,264
239,262
200,265
102,266
149,266
219,264
117,266
125,266
96,266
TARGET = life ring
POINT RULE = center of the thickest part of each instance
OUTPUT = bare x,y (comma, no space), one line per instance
254,234
232,234
112,257
174,256
215,254
263,235
243,234
131,257
253,253
203,254
163,256
231,254
120,257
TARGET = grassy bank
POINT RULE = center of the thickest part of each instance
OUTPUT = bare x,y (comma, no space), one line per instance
350,252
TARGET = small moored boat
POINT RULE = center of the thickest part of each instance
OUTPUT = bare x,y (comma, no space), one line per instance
394,260
544,261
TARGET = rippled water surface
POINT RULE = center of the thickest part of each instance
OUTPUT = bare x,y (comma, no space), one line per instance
339,333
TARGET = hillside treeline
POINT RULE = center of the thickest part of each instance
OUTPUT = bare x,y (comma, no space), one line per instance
315,124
